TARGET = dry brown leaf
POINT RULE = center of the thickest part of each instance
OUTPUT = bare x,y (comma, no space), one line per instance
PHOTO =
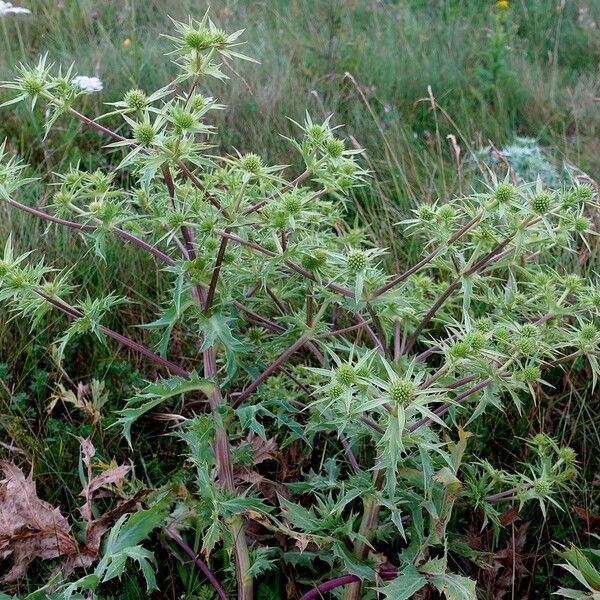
31,528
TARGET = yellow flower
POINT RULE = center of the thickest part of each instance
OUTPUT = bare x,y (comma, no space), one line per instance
126,43
502,5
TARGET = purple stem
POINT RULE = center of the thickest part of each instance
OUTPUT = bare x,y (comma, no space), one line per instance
81,227
128,342
199,563
280,360
337,582
427,259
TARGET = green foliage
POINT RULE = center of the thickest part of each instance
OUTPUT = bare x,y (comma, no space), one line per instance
306,340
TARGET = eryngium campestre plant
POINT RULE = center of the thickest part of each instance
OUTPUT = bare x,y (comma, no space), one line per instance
297,335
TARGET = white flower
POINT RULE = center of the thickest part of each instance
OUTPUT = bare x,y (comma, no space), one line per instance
88,84
6,8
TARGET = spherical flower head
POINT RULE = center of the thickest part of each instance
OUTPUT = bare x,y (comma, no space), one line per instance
504,193
567,455
540,203
315,261
585,193
588,332
525,345
540,441
484,325
182,119
348,167
401,391
198,39
581,224
97,207
445,213
198,102
356,261
335,148
175,219
251,163
573,282
144,134
291,203
135,99
63,198
531,373
425,213
529,330
542,487
502,5
278,219
460,349
219,38
33,85
345,374
335,391
569,474
477,341
317,134
502,335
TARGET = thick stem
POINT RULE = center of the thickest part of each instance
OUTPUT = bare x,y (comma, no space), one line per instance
361,549
225,474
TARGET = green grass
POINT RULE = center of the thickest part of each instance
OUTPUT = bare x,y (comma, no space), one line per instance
371,64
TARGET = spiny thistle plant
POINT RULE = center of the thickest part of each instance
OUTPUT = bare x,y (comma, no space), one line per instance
297,338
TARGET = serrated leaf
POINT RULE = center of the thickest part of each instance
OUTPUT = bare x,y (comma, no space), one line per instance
408,583
156,393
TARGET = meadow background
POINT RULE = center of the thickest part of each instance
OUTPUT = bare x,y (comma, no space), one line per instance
401,76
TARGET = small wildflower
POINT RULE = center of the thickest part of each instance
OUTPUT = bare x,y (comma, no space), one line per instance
335,148
356,260
581,224
588,332
502,5
252,163
401,391
291,204
585,193
540,203
144,133
314,261
345,374
542,487
89,85
531,373
504,193
445,213
198,39
484,325
425,213
126,43
135,99
567,455
6,8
